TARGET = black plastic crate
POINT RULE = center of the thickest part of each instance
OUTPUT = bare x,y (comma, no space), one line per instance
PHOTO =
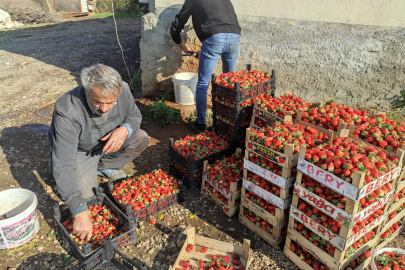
234,134
191,181
238,95
151,209
191,164
62,213
237,114
109,258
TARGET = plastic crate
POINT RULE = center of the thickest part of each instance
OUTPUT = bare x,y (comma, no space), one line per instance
235,135
192,166
151,209
238,114
122,240
109,258
238,95
191,181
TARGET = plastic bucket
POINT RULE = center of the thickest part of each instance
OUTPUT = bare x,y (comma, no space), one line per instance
379,251
23,225
185,84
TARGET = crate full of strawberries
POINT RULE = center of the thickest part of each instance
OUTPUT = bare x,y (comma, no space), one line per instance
190,153
349,167
108,222
147,194
200,252
243,85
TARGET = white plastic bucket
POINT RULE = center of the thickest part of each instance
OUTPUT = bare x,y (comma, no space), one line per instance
24,225
185,84
379,251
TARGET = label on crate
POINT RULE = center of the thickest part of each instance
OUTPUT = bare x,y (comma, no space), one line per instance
268,175
328,235
213,198
382,180
266,116
323,205
335,212
218,186
267,153
271,198
328,179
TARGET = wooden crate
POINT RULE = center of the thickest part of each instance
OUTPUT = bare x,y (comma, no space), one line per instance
387,222
275,239
229,209
400,182
388,240
355,190
287,159
334,263
348,216
232,193
301,264
341,241
283,201
215,247
285,180
277,220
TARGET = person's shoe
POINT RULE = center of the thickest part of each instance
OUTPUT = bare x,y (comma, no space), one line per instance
112,175
200,128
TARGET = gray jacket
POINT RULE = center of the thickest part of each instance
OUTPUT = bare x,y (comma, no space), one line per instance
75,128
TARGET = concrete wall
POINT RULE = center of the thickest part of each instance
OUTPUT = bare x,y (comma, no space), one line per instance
356,64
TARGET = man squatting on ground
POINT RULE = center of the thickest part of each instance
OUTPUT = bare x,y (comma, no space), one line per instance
94,131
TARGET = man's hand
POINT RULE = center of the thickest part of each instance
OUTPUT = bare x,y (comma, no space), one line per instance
184,48
115,139
82,226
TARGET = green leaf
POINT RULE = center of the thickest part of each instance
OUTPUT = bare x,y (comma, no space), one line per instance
256,237
52,235
128,172
66,260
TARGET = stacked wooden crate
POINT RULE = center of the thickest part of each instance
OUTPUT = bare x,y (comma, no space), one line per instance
338,221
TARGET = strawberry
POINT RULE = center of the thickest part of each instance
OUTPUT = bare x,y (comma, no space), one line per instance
204,250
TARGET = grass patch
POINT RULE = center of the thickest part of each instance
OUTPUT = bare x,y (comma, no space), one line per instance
208,118
159,111
117,15
136,80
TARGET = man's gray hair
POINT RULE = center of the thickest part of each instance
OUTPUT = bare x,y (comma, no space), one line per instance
107,78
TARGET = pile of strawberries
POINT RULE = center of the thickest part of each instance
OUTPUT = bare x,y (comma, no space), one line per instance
309,259
281,133
230,104
356,262
400,195
271,208
246,79
227,170
258,221
261,124
218,261
387,234
314,238
263,183
145,189
359,225
280,105
332,114
324,192
390,260
382,132
218,195
201,145
344,156
359,243
105,224
268,165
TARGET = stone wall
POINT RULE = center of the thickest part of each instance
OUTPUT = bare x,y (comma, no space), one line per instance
355,64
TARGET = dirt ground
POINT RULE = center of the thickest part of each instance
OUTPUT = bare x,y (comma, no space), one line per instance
39,64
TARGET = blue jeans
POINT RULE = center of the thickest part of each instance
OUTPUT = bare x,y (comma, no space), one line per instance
225,45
